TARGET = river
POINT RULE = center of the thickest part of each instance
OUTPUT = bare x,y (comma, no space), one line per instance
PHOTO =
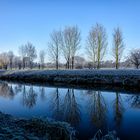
87,110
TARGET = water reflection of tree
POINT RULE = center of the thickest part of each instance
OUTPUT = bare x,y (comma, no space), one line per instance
42,93
7,91
56,106
29,97
11,91
118,109
134,101
71,111
18,88
97,108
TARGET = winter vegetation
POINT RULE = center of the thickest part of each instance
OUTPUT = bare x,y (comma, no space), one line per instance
12,128
42,129
88,77
64,46
69,70
118,46
63,52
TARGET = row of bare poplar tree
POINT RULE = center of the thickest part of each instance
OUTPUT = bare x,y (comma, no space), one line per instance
66,43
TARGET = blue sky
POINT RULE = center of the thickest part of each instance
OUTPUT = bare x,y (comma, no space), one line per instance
34,20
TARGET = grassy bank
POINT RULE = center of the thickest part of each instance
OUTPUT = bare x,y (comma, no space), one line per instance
12,128
129,78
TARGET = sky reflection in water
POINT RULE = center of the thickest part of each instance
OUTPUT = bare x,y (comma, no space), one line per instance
86,110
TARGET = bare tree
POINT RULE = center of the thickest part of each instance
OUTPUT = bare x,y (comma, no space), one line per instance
91,46
22,52
97,44
66,47
54,47
76,39
42,58
71,38
31,52
17,63
10,56
27,51
118,46
4,60
134,58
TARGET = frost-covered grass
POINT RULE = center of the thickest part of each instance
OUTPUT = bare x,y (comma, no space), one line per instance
126,77
1,71
75,72
12,128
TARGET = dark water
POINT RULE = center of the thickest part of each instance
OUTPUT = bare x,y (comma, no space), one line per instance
86,110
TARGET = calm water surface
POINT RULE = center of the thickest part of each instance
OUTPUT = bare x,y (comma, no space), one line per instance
86,110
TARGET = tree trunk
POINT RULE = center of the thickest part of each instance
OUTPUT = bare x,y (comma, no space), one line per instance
57,62
137,66
117,65
98,64
23,63
117,59
73,62
68,64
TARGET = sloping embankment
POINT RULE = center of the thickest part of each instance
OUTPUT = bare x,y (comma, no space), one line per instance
78,77
12,128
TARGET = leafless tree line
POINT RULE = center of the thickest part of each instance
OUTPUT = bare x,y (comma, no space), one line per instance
65,44
27,52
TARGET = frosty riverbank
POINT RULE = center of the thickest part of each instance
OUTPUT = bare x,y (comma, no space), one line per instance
87,77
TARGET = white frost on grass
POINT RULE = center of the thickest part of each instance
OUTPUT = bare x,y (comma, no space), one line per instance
110,72
108,76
